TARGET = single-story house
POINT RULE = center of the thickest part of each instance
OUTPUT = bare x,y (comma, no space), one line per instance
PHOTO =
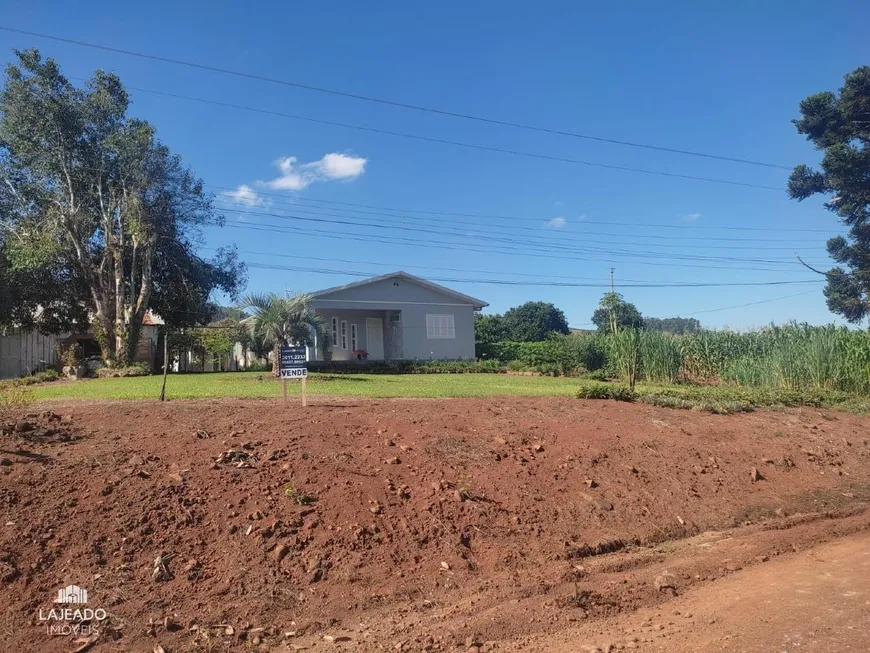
396,316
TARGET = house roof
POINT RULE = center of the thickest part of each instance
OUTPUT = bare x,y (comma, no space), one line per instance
400,274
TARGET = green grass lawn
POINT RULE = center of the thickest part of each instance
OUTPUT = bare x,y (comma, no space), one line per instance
258,384
718,399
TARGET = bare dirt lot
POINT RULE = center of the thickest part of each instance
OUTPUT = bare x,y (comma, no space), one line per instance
537,524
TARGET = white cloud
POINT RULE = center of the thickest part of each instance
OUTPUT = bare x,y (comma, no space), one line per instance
332,167
555,223
246,196
691,217
558,204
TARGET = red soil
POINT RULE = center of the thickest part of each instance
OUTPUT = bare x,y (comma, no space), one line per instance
516,523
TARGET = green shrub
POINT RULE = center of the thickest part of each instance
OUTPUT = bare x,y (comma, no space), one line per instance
37,377
605,391
567,355
14,398
408,367
73,356
549,369
135,369
47,376
716,406
594,375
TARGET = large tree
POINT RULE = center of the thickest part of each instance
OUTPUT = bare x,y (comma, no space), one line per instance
839,126
614,312
678,325
94,199
488,330
534,321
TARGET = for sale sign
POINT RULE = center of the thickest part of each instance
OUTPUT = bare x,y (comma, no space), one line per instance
293,364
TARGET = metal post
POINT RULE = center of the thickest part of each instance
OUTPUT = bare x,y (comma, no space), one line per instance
165,363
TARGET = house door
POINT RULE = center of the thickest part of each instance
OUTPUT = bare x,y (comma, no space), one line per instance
375,338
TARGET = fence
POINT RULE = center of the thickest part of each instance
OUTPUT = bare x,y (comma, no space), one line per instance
25,351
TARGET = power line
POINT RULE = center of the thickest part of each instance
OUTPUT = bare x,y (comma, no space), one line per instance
564,236
425,267
393,103
529,243
532,219
473,146
408,215
506,249
728,308
504,282
513,252
763,301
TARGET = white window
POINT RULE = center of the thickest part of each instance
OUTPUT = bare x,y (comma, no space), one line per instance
335,332
440,326
353,346
344,334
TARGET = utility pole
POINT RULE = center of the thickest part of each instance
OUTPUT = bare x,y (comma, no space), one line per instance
612,303
165,362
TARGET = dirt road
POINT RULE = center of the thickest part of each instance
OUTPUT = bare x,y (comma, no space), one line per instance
536,524
812,601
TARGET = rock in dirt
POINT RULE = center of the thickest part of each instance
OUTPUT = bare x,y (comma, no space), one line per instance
755,475
161,571
598,503
666,581
335,639
237,458
23,427
280,552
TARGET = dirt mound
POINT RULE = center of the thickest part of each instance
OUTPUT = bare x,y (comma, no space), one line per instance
407,525
40,428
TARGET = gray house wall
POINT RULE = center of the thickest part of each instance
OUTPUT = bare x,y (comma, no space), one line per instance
418,346
407,339
352,316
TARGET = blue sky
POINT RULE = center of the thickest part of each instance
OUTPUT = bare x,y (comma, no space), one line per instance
725,80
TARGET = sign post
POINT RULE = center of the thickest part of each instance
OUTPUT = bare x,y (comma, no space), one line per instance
292,365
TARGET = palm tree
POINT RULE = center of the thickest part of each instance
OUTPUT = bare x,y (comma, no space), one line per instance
282,321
